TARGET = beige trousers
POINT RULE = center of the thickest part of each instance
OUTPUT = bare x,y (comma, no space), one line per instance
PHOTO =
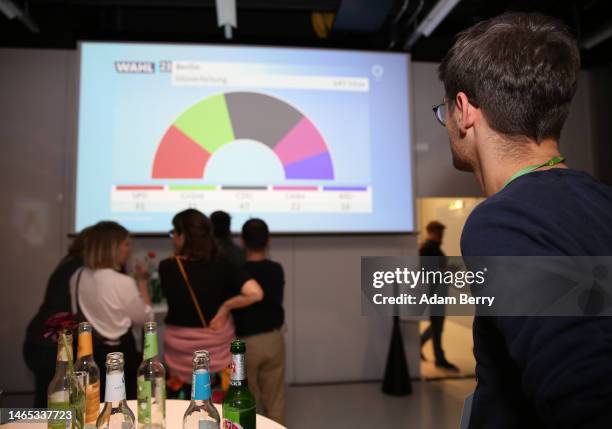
265,362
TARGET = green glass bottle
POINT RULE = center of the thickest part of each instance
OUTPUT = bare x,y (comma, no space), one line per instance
239,403
151,395
59,388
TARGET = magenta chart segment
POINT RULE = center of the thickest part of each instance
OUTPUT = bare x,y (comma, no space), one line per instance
191,141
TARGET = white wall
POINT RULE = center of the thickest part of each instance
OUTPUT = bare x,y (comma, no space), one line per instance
327,338
34,114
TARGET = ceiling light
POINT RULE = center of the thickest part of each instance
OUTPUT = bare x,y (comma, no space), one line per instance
436,16
597,37
431,21
9,9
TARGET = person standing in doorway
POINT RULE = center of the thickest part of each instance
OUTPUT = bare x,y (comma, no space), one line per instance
436,260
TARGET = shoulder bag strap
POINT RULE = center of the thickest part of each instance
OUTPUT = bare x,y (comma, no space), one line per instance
190,289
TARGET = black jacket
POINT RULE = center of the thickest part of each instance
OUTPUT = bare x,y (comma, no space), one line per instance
543,372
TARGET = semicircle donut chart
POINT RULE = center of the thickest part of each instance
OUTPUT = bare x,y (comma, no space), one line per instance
189,142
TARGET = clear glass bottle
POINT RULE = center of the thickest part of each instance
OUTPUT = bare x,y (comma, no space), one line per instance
239,403
116,414
58,392
85,362
201,412
151,394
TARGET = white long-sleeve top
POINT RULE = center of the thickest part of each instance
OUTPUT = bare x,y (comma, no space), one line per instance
110,301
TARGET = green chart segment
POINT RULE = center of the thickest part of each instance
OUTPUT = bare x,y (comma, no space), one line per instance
202,129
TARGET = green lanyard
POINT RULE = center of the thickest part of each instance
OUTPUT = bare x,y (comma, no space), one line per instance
553,161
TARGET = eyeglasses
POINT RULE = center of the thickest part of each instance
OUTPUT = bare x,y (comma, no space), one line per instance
171,233
440,113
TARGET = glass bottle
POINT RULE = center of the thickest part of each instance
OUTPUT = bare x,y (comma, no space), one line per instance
239,402
155,287
85,362
201,413
58,392
151,394
116,414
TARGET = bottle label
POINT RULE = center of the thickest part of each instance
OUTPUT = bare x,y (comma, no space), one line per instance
85,347
115,387
150,346
200,385
228,424
144,400
207,424
92,399
237,367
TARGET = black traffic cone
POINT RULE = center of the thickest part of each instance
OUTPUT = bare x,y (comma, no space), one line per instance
397,377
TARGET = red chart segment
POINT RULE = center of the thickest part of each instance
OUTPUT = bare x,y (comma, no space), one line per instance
304,153
179,157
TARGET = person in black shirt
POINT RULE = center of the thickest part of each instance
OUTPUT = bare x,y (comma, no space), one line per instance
260,324
39,352
509,83
202,288
221,222
435,261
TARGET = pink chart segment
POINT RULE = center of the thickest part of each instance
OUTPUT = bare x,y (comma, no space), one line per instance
303,141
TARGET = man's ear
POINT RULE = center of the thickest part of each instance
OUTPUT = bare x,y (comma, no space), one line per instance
466,112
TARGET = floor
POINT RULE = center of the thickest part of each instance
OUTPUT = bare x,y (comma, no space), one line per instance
433,404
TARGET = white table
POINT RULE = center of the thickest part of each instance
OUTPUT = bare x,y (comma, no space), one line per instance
175,409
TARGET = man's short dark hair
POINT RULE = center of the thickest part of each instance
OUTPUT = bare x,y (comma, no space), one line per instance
221,222
255,234
520,69
435,226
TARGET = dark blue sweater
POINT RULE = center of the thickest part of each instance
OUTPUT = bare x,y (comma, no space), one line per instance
543,372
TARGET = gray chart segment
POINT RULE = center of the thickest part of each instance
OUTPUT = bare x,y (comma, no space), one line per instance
260,117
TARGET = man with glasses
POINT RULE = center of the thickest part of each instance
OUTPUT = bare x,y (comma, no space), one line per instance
508,83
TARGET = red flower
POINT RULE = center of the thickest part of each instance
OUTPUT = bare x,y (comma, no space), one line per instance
59,322
151,254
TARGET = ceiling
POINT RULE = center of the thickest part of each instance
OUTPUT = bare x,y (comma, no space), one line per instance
353,24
